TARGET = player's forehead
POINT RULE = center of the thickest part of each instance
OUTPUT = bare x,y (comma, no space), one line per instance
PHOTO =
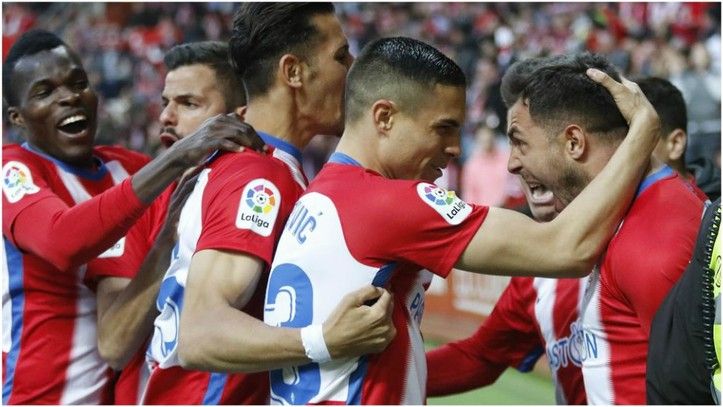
46,65
198,80
330,33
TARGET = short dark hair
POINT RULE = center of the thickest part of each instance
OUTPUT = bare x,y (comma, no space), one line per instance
263,32
667,101
559,91
213,54
398,68
30,43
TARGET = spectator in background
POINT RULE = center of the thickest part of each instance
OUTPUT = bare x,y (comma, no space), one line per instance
648,39
669,104
484,175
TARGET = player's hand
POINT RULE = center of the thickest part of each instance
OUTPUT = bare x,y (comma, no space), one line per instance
222,132
356,329
631,101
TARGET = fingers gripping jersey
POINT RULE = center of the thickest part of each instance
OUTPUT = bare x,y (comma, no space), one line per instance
49,314
238,204
355,228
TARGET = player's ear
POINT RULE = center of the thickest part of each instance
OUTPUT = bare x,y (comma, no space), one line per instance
383,115
575,141
15,117
676,141
291,70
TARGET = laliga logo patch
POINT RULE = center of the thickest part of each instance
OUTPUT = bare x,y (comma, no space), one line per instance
259,206
446,203
17,181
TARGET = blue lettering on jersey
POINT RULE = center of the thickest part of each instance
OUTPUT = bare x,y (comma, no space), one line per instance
169,303
416,310
289,303
573,349
300,223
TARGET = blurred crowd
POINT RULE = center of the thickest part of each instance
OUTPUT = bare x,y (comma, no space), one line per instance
122,45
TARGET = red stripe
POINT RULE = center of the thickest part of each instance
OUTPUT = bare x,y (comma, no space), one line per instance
387,371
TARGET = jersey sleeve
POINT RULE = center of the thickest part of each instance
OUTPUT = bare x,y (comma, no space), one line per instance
124,260
507,338
245,211
36,220
648,260
424,224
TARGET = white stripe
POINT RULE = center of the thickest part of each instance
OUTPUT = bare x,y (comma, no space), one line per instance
86,376
596,370
7,314
117,172
87,373
73,185
293,164
416,362
545,295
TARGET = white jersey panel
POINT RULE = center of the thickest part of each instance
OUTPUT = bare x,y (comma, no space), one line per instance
163,349
312,271
596,368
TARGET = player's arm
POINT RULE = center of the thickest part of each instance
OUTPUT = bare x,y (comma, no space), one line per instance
70,236
505,339
126,308
215,335
509,243
222,132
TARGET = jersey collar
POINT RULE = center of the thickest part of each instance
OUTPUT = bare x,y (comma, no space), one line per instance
280,144
651,179
341,158
93,175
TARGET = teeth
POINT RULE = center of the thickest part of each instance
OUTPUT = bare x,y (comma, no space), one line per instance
72,119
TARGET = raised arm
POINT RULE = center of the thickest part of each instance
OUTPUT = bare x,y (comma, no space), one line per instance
509,243
215,335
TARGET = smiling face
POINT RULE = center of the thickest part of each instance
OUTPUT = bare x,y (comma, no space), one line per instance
539,159
56,106
191,95
422,141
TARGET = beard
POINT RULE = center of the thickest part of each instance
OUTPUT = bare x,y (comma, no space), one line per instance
570,183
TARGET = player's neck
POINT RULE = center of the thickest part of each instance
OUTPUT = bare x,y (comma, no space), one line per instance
278,121
363,153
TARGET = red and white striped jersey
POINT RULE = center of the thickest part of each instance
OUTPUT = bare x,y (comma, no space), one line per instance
643,261
532,316
49,313
352,228
239,204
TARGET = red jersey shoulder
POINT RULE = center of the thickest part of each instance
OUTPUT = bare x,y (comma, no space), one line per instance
240,168
659,230
132,160
390,197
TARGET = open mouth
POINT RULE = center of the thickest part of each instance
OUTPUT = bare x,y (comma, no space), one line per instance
167,139
74,124
540,194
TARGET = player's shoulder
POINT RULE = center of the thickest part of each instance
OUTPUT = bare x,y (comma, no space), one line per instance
671,199
122,154
18,160
243,167
16,152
